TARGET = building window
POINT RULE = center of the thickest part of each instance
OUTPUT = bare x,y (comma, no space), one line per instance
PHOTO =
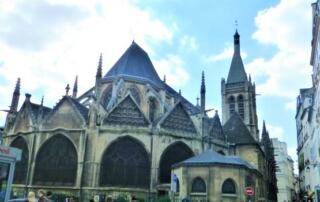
56,163
232,105
221,152
107,96
240,106
228,187
135,94
125,163
21,169
249,181
198,185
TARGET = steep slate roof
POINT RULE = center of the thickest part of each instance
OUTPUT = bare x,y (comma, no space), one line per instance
82,109
216,129
213,158
237,72
236,131
135,64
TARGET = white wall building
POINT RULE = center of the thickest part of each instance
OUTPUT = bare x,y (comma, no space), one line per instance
308,119
285,176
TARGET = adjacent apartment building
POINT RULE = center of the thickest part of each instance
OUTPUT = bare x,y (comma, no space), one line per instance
308,119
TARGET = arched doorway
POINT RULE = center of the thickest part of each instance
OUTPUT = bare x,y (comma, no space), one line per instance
125,163
56,163
21,169
175,153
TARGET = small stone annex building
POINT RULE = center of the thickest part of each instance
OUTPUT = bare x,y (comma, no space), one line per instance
127,131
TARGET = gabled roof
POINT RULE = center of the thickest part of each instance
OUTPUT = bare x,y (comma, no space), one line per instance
237,72
127,112
237,132
210,157
178,119
35,110
135,64
83,111
216,129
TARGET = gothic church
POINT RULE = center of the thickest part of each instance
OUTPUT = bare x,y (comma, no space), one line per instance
131,131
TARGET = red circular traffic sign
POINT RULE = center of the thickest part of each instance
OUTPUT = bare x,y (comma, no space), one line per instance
249,191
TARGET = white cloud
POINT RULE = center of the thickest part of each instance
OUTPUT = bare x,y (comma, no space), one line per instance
275,131
46,64
227,53
287,26
189,42
173,67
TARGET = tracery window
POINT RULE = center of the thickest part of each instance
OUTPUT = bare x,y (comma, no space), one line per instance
152,109
135,94
125,163
228,187
232,105
173,154
56,163
198,185
21,169
107,96
240,106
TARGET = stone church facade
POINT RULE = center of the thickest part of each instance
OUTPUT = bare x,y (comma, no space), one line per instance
125,134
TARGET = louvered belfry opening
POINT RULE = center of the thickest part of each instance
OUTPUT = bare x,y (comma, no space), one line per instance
21,169
125,163
173,154
56,163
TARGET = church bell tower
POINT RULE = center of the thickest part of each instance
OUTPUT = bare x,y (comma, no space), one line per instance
239,93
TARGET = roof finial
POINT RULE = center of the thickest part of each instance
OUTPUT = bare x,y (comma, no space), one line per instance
99,70
164,78
75,88
198,101
179,91
67,89
42,100
236,24
203,94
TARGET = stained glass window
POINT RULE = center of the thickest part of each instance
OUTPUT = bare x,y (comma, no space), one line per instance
21,169
125,163
56,163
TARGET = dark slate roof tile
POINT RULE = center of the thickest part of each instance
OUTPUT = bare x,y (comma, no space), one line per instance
213,158
236,131
135,64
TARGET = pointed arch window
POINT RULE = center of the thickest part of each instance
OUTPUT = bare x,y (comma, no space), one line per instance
240,106
232,104
56,163
135,94
107,96
125,163
21,169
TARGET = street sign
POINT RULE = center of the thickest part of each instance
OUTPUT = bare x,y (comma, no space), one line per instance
249,191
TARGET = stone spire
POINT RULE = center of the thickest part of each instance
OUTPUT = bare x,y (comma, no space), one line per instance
15,97
203,94
75,88
237,72
99,70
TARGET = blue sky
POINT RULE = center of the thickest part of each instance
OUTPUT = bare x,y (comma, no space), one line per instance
47,43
